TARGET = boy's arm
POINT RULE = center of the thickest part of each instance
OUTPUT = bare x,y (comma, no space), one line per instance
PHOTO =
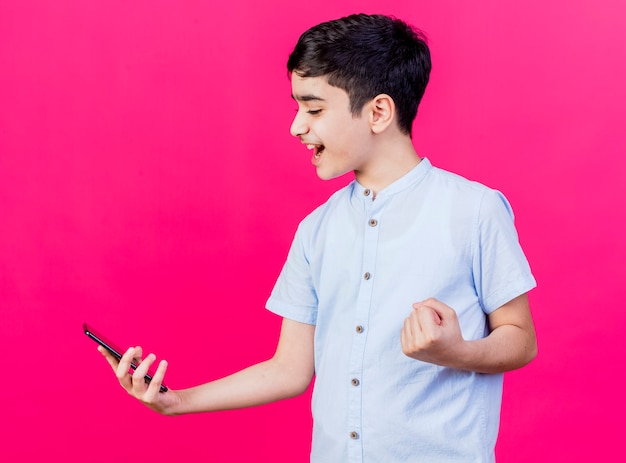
432,334
287,374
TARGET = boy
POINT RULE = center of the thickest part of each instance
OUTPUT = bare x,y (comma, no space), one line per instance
405,293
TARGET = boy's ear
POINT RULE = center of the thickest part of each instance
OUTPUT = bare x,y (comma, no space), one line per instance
382,112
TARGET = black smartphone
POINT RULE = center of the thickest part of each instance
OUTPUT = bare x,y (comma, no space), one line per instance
116,351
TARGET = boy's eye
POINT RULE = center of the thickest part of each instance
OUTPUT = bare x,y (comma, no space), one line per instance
313,112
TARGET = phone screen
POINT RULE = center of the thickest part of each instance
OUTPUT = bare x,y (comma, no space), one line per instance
116,351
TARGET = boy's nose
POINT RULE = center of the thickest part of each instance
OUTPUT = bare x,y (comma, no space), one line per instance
298,126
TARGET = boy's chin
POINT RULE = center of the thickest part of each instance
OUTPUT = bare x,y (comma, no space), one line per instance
325,175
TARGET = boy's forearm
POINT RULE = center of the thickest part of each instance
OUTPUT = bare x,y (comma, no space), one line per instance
259,384
506,348
511,344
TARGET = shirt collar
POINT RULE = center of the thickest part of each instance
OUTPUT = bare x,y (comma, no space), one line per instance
411,178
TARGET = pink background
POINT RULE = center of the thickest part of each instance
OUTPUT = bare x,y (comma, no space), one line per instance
149,185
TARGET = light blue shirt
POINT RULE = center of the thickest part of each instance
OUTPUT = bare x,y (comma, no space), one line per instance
355,268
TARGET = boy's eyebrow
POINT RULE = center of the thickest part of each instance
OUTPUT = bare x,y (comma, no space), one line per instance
307,97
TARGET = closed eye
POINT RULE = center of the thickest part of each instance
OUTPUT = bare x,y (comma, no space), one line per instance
313,112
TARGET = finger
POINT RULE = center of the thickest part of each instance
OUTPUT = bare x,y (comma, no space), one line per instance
138,355
431,301
123,368
110,358
404,341
414,324
159,374
139,383
429,321
431,314
407,328
414,337
157,379
405,333
443,310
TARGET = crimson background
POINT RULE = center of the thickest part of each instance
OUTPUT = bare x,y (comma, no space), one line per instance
149,185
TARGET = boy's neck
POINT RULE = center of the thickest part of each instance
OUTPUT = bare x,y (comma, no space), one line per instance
392,160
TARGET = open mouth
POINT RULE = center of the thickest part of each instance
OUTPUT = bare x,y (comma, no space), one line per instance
317,150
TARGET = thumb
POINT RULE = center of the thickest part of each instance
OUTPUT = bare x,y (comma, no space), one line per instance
444,311
427,316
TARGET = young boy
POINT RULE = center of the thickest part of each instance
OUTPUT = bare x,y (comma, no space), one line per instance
405,293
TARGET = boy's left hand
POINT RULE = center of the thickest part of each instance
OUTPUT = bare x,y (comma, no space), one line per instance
432,334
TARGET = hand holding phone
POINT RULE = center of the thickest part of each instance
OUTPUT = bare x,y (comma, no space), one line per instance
116,352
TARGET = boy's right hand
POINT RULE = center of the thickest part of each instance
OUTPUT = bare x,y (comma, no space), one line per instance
134,383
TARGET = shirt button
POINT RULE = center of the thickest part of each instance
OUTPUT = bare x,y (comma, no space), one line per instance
355,382
367,275
367,192
359,329
373,222
354,435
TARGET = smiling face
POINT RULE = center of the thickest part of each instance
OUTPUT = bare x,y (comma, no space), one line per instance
325,124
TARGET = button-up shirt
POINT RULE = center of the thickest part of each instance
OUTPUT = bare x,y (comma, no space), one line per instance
355,267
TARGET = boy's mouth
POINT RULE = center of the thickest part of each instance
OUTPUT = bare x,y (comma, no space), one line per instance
317,149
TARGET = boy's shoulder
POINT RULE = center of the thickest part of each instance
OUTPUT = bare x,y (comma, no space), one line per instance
446,179
475,197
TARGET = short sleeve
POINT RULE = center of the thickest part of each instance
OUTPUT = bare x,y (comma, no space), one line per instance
294,295
501,270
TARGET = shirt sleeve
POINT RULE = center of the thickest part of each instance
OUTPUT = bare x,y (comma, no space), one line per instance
501,270
294,295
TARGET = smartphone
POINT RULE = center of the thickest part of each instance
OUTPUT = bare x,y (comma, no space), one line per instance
116,351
